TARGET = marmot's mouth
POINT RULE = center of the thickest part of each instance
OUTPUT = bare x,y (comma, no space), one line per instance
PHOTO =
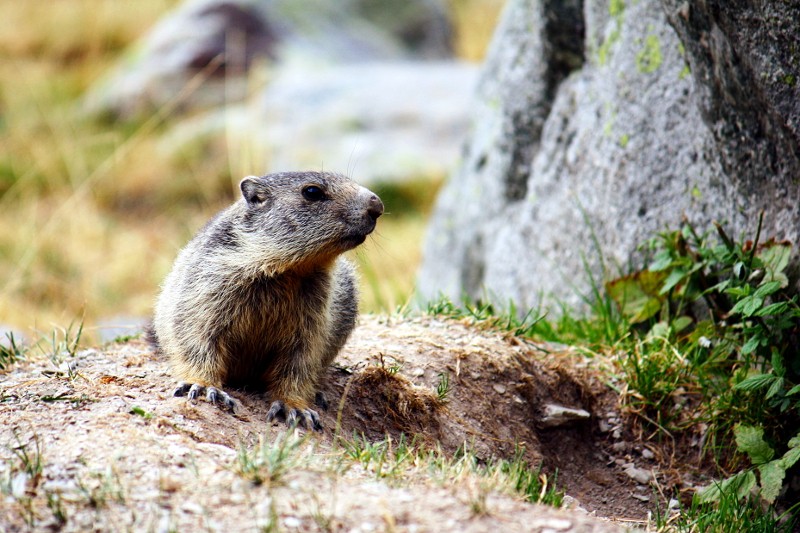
353,240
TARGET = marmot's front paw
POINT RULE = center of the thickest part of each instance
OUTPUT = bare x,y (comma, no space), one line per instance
305,418
213,394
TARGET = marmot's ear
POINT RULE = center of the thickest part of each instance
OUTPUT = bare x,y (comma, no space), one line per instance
254,190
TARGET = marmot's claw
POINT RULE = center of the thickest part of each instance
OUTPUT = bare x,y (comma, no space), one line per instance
182,389
195,391
304,418
213,395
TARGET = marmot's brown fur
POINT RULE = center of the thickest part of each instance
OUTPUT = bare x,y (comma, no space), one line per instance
261,296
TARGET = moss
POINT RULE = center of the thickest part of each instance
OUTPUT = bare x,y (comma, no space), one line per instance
649,58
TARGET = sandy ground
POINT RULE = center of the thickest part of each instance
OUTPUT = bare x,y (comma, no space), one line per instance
97,442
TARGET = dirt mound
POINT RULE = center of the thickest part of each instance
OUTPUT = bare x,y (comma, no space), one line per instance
116,450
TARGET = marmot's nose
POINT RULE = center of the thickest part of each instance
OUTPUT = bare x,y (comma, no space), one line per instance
374,207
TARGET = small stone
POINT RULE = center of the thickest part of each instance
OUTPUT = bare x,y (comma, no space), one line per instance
499,389
617,434
475,375
647,454
640,475
641,497
292,521
418,372
603,426
619,446
673,504
557,415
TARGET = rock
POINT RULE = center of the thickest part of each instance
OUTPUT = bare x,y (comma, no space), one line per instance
591,134
199,54
558,415
640,475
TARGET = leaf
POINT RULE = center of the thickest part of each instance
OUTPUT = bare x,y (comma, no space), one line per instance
637,295
751,345
791,457
793,390
772,475
675,277
765,289
778,368
753,304
775,256
681,323
741,483
661,261
776,308
751,383
750,440
775,388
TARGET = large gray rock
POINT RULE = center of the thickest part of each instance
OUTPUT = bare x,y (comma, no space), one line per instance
591,133
199,55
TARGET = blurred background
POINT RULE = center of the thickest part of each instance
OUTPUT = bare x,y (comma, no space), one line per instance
117,144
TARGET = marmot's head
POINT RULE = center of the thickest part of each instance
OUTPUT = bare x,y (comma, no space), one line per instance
306,217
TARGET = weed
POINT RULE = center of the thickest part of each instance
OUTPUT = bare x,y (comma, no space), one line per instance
61,344
443,387
54,504
269,462
534,486
384,458
11,352
136,410
713,320
102,488
391,368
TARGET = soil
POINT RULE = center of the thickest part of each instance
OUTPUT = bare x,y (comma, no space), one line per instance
119,452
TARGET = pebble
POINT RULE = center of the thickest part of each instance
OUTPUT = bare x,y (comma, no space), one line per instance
639,475
292,521
557,415
499,389
647,454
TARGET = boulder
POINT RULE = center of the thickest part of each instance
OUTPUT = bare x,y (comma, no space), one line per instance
597,124
199,55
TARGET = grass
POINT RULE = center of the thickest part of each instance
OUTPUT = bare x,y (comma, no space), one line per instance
403,460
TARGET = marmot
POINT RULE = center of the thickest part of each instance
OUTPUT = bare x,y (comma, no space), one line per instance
262,296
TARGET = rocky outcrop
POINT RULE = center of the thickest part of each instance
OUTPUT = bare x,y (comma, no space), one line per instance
599,123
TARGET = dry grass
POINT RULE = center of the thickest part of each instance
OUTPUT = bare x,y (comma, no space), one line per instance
92,214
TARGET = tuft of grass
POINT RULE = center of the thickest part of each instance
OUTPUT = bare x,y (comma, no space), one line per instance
443,387
269,461
400,460
11,352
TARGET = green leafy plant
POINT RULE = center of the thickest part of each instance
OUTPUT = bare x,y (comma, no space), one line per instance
715,319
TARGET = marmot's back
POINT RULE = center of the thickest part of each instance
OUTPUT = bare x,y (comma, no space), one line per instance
261,294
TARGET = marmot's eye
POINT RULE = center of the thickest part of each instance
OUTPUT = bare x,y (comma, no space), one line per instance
312,193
